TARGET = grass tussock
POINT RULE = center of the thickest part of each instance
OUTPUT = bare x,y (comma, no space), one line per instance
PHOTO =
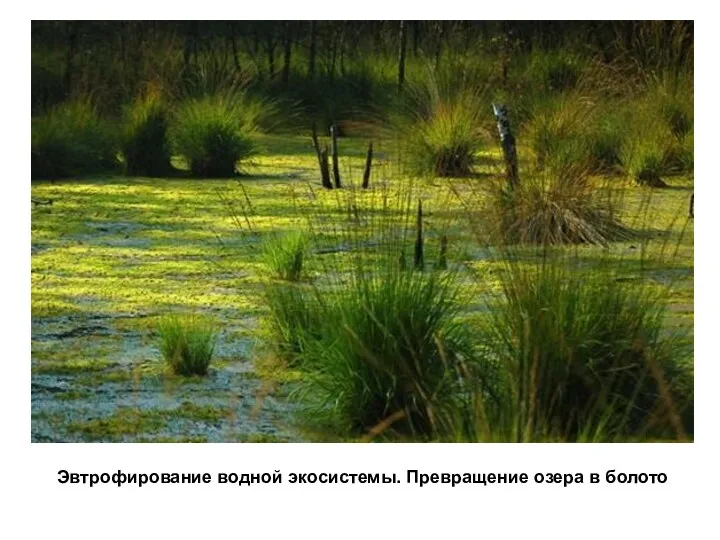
658,139
575,131
556,70
553,209
72,140
645,149
145,141
285,255
295,317
446,129
390,353
581,359
213,134
187,344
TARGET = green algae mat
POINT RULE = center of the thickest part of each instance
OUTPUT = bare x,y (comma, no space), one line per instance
112,255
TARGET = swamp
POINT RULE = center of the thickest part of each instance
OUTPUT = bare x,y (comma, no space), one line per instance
355,231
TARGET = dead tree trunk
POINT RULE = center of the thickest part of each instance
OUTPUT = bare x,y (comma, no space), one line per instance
691,212
322,162
419,260
368,166
335,164
507,140
325,169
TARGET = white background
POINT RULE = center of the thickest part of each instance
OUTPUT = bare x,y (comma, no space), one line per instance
35,505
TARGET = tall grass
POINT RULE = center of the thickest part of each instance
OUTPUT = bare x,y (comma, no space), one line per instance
294,318
659,131
576,131
72,140
379,343
645,148
285,255
354,102
556,70
560,354
187,344
145,142
446,127
583,357
213,134
390,352
551,209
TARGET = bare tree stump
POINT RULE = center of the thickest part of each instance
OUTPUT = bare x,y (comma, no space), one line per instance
507,140
442,259
335,166
316,145
691,212
325,168
325,177
419,259
368,166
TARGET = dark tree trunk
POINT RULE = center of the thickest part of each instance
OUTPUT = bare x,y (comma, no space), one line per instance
256,52
333,54
322,161
233,46
415,37
401,55
377,48
190,46
313,48
270,50
335,163
438,45
368,166
325,169
287,42
506,30
137,53
123,49
342,50
72,44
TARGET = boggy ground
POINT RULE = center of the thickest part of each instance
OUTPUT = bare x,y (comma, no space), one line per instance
113,254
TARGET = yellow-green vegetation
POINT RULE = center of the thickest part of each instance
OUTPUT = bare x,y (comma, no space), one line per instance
285,254
213,132
128,421
443,303
187,343
446,129
130,250
72,139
